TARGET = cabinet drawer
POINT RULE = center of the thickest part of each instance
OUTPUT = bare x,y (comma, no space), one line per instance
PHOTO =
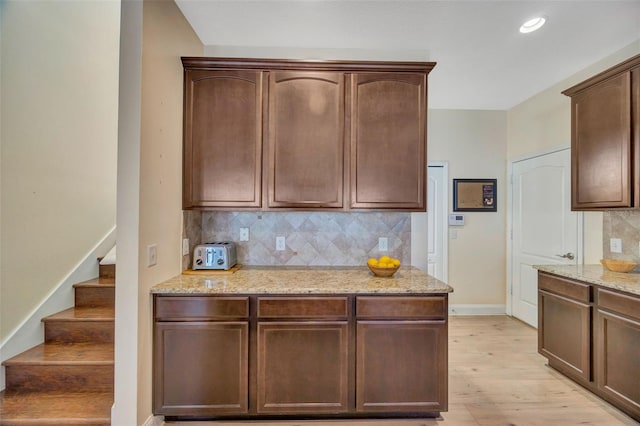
620,303
192,308
401,307
564,287
303,307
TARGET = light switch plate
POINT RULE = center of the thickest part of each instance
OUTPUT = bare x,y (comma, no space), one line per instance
152,254
244,234
185,246
615,245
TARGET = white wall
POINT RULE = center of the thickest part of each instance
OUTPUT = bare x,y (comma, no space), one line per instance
166,36
58,156
154,36
474,145
125,407
544,122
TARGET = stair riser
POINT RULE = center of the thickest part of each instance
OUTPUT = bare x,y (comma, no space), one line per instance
69,378
95,296
107,271
78,331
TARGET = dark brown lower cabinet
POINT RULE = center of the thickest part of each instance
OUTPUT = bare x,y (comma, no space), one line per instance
618,349
592,335
401,366
302,367
201,368
564,335
330,356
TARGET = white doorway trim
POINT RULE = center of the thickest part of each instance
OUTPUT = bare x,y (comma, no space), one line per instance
444,230
580,217
420,226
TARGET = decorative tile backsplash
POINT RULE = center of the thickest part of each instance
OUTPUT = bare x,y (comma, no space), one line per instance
623,224
312,238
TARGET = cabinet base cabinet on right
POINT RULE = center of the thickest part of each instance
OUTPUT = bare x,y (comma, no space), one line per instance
601,351
617,351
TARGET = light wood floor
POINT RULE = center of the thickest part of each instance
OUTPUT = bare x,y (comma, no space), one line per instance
497,378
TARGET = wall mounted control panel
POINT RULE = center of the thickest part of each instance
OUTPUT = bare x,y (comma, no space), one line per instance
456,220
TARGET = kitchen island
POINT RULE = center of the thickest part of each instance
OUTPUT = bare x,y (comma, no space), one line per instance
298,342
589,329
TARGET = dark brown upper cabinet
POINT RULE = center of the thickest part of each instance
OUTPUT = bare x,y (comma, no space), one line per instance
306,139
388,141
222,158
605,139
265,134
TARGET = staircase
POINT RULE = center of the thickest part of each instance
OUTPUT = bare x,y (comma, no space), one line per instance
67,380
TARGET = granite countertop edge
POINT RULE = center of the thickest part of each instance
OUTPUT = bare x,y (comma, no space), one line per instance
303,280
597,275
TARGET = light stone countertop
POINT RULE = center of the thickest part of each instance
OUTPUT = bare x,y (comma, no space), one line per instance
598,275
304,280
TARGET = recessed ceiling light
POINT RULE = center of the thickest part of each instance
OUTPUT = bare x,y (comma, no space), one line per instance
532,25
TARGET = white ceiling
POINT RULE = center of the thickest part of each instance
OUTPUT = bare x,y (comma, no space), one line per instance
483,61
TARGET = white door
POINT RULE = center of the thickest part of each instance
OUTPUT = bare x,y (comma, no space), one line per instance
544,229
436,221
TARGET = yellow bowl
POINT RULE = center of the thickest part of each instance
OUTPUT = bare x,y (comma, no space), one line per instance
618,265
383,272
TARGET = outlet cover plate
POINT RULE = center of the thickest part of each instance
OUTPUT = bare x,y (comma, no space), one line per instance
615,245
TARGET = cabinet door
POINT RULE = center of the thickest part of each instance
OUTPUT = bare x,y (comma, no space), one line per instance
306,139
388,141
302,367
200,368
618,350
222,139
601,145
564,334
401,366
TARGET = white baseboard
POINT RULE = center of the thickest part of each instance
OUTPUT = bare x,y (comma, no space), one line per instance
477,310
30,332
154,421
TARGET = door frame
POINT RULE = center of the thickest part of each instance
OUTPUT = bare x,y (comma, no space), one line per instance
444,231
580,232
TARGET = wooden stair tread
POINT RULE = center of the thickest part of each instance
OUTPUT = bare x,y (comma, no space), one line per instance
67,354
55,408
97,282
83,314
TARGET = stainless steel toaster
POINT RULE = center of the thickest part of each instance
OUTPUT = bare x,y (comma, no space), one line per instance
217,255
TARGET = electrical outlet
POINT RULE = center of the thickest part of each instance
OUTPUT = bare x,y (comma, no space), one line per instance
615,245
383,244
152,255
244,234
185,246
280,243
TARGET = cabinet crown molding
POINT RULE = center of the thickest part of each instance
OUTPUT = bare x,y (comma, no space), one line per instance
626,65
296,64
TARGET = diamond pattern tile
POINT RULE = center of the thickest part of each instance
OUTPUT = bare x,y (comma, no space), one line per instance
624,224
312,238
